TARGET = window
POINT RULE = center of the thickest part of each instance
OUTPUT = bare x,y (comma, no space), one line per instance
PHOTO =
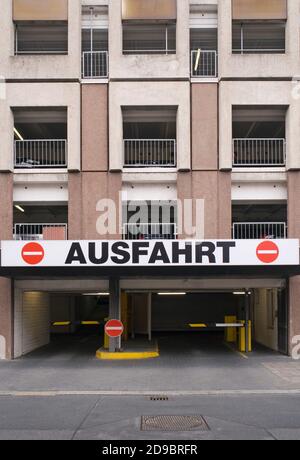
147,38
39,37
258,37
94,41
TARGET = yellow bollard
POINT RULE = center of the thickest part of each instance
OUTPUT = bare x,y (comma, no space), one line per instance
106,338
231,332
242,337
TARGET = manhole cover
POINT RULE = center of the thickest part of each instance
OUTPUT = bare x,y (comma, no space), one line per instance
174,423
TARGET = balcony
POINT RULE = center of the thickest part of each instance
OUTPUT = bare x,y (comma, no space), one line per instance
259,152
204,64
259,230
150,231
94,64
40,138
37,232
154,153
41,153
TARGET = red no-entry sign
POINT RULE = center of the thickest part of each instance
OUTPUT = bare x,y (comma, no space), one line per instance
114,328
267,252
33,253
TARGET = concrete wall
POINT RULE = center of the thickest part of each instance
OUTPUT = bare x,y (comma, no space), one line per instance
176,94
40,66
214,188
261,93
149,66
263,333
40,95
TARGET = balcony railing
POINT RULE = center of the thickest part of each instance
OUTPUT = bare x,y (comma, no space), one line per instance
150,231
141,153
204,64
37,232
95,64
258,231
41,154
259,152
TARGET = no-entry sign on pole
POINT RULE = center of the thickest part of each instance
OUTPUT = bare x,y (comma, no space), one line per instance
114,328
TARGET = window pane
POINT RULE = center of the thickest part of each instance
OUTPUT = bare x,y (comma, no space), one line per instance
149,39
41,38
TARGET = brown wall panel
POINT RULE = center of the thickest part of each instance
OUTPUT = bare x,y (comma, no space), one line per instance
205,126
95,187
40,10
214,188
6,233
75,207
149,9
94,128
294,232
259,9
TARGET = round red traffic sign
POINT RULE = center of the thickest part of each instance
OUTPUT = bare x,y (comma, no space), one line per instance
33,253
114,328
267,252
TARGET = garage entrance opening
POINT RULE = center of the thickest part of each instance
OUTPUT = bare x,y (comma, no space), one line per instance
65,321
212,320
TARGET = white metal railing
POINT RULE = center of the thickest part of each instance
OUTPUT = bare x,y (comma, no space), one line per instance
41,153
259,230
36,232
95,64
259,152
150,153
204,64
150,231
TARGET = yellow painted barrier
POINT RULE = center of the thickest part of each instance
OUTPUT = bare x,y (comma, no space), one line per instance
90,323
106,338
231,332
62,324
198,326
242,337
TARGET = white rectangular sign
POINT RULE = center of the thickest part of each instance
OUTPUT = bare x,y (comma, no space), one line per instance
150,253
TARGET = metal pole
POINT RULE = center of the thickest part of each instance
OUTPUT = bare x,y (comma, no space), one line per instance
92,38
114,310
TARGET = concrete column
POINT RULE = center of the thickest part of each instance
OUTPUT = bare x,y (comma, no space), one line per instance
205,126
75,207
114,310
214,189
6,233
294,232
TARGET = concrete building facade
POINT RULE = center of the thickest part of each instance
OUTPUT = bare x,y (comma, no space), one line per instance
118,102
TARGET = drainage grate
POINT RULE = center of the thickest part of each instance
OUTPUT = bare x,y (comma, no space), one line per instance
174,423
159,398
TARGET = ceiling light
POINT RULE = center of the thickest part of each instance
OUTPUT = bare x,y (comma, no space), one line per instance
171,293
17,206
21,138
